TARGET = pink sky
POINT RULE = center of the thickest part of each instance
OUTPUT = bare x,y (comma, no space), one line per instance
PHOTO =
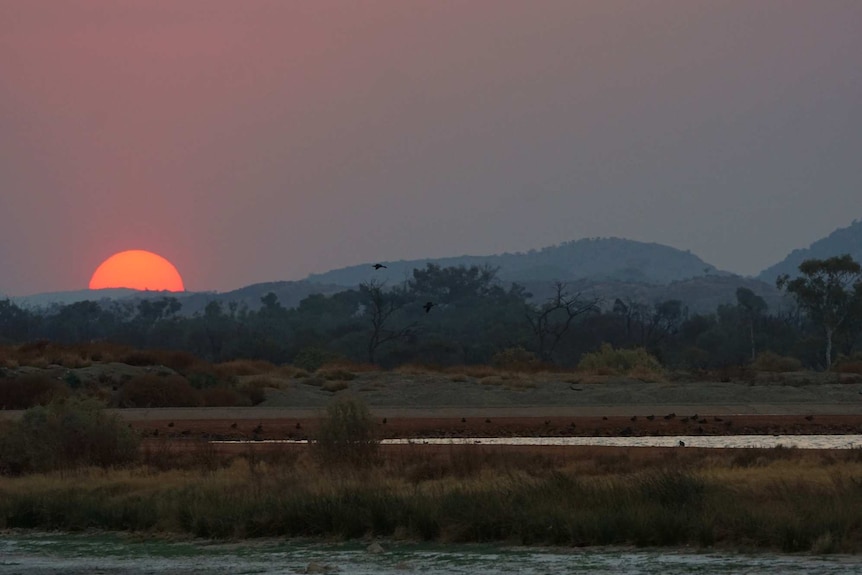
265,140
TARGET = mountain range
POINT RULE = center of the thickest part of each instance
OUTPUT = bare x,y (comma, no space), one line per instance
842,241
608,268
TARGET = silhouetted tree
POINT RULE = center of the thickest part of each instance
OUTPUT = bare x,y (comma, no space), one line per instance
551,320
751,307
828,290
15,323
380,307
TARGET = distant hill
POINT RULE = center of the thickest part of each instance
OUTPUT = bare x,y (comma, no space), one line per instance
44,300
842,241
289,295
610,259
601,267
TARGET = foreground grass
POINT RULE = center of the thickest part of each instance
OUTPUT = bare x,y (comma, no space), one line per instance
771,499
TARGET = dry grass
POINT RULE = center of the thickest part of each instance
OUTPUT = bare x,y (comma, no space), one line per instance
334,385
352,366
335,374
417,369
478,371
241,367
784,499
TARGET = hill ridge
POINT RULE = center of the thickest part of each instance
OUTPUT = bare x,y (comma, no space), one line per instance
610,258
846,240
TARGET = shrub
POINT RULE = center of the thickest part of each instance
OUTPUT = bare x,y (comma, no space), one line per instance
475,371
610,361
849,364
223,397
346,434
140,358
516,359
202,379
158,391
333,374
239,367
334,385
770,361
255,390
313,358
29,391
66,435
181,361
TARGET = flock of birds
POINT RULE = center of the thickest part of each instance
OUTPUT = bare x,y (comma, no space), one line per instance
428,304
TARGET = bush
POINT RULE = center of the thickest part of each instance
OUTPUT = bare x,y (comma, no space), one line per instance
66,435
29,391
181,361
255,390
158,391
223,397
849,364
313,358
240,367
610,361
140,358
516,359
346,435
770,361
336,374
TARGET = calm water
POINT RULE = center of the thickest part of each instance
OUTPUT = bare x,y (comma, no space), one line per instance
108,554
716,441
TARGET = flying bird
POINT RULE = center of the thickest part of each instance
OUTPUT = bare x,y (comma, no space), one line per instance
378,266
428,305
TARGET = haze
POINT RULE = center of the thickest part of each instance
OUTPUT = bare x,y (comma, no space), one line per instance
265,140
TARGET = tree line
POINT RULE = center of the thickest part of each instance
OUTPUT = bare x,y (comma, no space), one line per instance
465,315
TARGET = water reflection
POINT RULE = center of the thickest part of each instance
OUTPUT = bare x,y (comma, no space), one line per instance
709,441
714,441
84,554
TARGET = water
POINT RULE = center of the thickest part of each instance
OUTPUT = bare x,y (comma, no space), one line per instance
711,441
44,554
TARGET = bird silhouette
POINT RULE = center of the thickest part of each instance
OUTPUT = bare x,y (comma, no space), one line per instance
378,266
428,305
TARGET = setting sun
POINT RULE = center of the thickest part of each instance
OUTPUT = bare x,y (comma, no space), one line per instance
137,269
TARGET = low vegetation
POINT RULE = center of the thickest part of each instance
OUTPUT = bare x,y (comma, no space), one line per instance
63,436
69,466
66,465
473,319
632,362
779,499
346,435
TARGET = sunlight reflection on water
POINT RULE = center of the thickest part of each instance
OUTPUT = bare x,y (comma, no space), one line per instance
711,441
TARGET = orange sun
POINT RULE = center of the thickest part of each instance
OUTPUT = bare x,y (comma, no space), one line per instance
137,269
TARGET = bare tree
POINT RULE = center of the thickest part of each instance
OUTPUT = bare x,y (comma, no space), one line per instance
552,319
381,306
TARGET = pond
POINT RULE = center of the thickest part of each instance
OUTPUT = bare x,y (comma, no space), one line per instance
54,554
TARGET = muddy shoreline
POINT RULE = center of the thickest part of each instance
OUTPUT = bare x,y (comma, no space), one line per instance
504,425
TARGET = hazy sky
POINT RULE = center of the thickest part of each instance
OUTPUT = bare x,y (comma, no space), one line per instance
255,140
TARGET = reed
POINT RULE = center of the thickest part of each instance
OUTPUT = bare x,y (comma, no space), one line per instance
790,503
